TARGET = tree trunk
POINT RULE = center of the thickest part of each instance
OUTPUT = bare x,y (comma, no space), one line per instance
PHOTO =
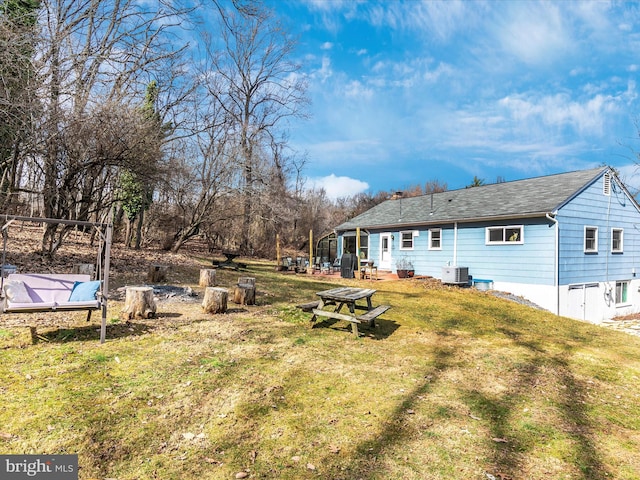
244,295
157,273
139,303
128,234
247,281
215,300
184,235
207,277
139,229
85,269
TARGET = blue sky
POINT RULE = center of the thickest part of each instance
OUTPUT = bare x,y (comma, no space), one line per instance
404,92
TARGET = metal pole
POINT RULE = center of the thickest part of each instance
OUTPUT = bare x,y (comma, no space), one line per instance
105,283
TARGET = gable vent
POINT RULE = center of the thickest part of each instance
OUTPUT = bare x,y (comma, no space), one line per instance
606,184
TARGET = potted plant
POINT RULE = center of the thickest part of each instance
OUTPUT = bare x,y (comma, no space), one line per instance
404,268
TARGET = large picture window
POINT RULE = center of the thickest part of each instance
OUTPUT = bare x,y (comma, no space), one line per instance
590,239
512,234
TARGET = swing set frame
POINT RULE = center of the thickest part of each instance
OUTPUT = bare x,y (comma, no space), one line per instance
103,261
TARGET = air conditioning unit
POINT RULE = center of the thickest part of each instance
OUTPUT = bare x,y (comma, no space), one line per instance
455,275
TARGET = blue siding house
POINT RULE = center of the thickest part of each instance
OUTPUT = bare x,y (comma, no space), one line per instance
568,242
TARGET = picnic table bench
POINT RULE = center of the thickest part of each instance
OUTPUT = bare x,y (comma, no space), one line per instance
348,296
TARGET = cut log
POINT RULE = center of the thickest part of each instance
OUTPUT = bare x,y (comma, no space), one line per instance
139,303
84,269
207,277
215,300
247,281
157,273
244,294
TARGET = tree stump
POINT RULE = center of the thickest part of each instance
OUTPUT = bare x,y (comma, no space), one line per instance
244,294
139,303
247,281
207,277
157,273
84,269
215,300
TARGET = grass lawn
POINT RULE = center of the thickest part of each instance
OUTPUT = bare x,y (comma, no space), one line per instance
452,384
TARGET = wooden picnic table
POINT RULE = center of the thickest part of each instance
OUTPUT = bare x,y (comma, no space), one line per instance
349,296
228,262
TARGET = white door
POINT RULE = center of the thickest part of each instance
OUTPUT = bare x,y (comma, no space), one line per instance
582,301
385,251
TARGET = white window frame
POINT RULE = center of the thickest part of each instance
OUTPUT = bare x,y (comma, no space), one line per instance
431,231
413,233
505,240
620,249
595,248
622,290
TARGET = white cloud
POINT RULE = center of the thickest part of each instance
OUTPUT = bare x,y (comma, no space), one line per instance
442,70
358,90
559,111
625,27
595,16
325,6
411,73
530,131
535,34
360,152
338,187
439,19
630,176
632,93
325,71
326,46
332,13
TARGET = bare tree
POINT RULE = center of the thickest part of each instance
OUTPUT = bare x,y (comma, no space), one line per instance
18,33
258,86
207,176
95,59
435,186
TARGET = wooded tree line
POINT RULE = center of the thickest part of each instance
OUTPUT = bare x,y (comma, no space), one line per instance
173,122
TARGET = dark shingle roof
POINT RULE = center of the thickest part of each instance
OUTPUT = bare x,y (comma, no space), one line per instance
520,198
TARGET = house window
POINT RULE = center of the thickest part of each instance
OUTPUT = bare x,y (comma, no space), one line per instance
406,240
590,239
435,239
504,235
621,292
616,240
